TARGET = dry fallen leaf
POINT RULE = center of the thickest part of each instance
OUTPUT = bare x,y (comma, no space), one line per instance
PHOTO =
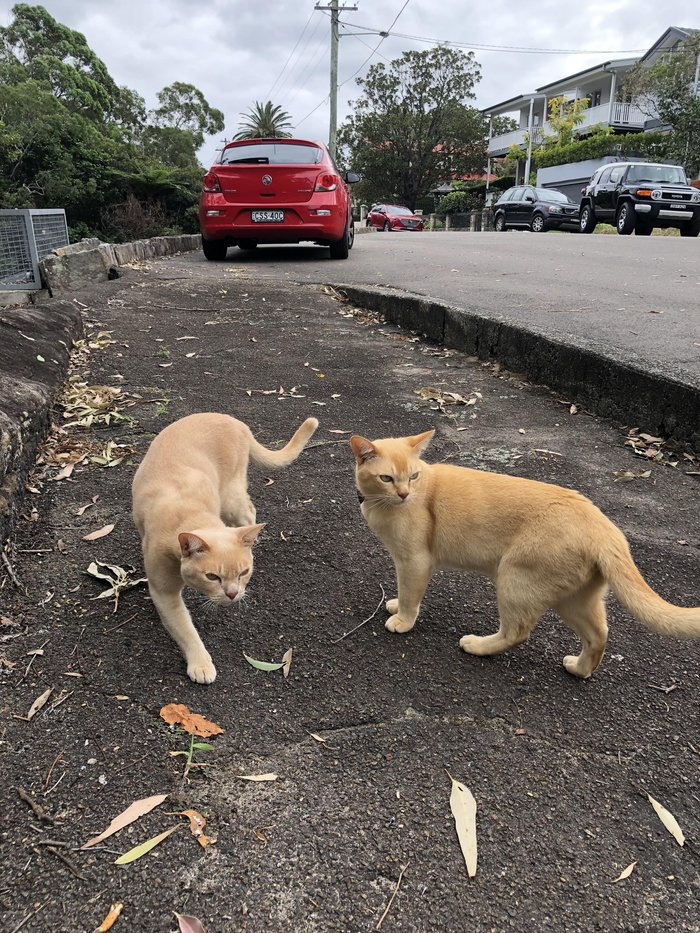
144,848
37,704
193,723
189,924
110,919
319,738
197,824
263,665
270,776
668,819
463,808
133,812
286,662
100,533
624,874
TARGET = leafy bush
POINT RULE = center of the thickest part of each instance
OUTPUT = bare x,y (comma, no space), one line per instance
650,145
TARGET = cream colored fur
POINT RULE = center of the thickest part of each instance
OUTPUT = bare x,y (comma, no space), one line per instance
545,547
196,520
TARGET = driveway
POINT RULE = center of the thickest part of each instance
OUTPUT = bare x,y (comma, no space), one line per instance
355,833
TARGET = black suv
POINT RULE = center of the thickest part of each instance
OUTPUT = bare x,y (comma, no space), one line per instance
640,196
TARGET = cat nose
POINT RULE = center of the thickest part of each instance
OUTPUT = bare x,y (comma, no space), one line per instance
403,494
232,592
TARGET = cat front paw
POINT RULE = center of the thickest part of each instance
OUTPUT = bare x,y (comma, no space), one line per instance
201,670
392,606
397,624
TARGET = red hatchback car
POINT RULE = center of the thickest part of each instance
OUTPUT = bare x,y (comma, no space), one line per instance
393,217
275,191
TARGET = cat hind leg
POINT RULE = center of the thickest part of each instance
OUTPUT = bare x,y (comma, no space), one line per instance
392,606
584,613
517,620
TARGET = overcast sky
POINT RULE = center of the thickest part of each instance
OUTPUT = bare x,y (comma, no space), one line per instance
238,52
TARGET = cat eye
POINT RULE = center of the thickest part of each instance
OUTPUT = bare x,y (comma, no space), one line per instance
213,576
386,479
414,476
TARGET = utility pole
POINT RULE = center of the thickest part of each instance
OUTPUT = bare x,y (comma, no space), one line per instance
335,35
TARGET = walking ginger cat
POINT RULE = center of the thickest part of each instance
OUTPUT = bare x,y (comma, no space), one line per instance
545,547
196,521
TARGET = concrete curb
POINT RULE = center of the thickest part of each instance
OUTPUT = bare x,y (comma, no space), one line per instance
35,347
625,388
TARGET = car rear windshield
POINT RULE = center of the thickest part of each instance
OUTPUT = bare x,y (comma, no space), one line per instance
395,209
548,194
273,154
670,174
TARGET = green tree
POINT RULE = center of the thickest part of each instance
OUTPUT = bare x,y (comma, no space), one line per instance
564,116
413,128
263,121
184,107
670,90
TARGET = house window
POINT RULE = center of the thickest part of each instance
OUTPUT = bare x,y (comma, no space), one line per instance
594,98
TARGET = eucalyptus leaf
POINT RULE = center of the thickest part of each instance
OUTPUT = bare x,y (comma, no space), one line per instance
263,665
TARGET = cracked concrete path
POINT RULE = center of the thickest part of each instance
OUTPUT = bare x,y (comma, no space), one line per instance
363,730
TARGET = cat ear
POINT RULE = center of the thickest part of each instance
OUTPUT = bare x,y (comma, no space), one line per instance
249,534
420,441
191,544
363,449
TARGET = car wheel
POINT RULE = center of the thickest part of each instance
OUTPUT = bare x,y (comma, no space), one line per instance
340,248
499,224
351,235
387,227
692,230
587,221
214,250
625,219
643,228
537,223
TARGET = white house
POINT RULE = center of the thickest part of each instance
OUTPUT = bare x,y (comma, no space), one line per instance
599,85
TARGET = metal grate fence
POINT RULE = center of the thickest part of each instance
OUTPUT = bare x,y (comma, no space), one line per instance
26,236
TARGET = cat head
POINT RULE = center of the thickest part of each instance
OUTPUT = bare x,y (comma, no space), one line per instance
388,471
218,562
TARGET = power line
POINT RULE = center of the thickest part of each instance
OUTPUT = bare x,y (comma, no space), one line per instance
516,49
289,57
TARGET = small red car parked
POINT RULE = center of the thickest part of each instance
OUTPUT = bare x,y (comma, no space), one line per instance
275,191
393,217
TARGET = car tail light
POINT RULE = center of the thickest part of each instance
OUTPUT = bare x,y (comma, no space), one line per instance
210,183
326,182
643,192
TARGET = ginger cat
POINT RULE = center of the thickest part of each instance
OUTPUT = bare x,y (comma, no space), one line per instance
545,547
188,492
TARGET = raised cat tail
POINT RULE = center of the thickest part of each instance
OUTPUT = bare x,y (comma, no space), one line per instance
631,589
276,459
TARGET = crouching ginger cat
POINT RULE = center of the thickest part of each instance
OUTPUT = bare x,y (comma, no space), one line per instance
545,547
188,492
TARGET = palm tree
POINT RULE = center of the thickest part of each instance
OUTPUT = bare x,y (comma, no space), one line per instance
264,120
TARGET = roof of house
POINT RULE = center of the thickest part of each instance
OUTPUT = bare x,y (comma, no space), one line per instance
678,32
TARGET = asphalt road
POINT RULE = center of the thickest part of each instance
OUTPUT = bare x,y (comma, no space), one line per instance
356,833
639,294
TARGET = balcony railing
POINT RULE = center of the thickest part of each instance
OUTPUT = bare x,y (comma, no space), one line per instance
623,114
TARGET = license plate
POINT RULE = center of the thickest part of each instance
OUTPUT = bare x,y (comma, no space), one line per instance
267,217
678,207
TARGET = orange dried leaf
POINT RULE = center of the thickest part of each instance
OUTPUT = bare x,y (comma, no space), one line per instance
177,714
197,824
110,919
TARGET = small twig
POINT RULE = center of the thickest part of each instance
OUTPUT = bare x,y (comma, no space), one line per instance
379,606
115,627
33,658
38,811
66,861
48,773
391,899
10,571
51,842
326,443
29,917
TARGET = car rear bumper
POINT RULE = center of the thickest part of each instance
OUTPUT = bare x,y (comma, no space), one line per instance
233,222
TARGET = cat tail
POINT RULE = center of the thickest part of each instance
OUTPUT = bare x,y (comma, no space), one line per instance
275,459
631,589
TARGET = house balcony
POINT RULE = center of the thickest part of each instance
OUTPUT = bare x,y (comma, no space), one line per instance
623,116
